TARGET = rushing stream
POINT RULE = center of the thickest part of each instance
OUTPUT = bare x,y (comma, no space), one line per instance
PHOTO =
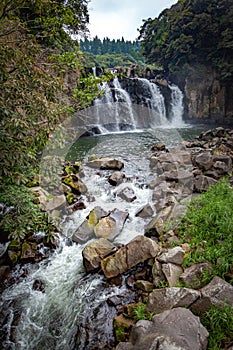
70,311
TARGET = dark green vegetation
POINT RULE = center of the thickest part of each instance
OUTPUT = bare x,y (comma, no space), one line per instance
39,69
111,53
191,32
207,226
219,322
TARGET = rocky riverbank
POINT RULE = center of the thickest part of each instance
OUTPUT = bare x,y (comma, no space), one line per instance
153,268
164,292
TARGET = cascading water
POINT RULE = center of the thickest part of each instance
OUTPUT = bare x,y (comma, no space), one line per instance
115,108
123,99
177,107
155,102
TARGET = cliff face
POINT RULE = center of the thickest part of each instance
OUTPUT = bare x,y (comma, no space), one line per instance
205,97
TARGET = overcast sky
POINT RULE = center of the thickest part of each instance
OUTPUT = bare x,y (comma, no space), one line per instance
117,18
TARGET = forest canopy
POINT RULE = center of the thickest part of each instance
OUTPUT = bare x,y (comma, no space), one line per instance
191,31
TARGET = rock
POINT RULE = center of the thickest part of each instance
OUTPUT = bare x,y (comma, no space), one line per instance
181,176
105,227
55,203
4,272
167,298
116,178
204,160
42,196
202,183
172,273
193,275
174,256
136,251
146,286
168,331
94,252
122,326
106,163
157,223
158,147
111,226
28,250
127,194
145,211
64,188
216,293
86,230
119,217
74,182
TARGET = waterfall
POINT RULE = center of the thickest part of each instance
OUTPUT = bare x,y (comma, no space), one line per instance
122,96
177,107
115,112
155,102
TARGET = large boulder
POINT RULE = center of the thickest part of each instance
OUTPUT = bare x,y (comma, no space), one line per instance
193,276
86,230
173,255
116,178
136,251
101,224
168,298
172,273
94,252
202,183
106,163
127,194
216,293
75,183
176,329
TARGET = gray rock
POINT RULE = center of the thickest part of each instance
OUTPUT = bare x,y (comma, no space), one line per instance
193,275
116,178
138,250
127,194
111,226
216,293
167,298
176,329
55,203
204,160
174,256
106,163
172,273
94,252
86,230
202,183
145,212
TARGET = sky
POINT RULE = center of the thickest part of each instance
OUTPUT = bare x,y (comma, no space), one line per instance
117,18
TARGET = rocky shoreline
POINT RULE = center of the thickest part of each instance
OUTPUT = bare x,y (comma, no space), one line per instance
150,265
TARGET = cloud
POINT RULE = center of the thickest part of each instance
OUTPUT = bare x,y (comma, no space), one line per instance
117,18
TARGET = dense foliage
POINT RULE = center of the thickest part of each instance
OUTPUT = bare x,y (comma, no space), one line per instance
38,59
191,31
111,53
207,225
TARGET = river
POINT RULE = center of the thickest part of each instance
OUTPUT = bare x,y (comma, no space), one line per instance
70,311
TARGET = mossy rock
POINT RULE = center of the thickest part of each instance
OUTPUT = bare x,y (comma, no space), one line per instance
14,256
92,218
28,250
70,198
75,183
122,327
14,246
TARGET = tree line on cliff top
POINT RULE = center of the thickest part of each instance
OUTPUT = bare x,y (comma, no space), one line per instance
191,31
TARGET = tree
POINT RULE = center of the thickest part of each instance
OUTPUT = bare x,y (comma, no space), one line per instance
191,31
